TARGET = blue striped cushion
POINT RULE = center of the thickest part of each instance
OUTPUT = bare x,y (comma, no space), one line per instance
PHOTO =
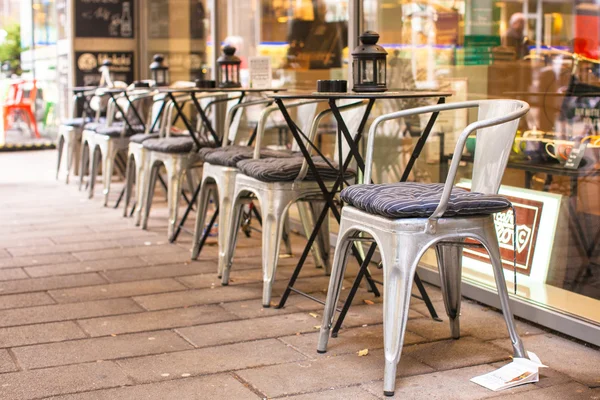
229,156
287,169
419,200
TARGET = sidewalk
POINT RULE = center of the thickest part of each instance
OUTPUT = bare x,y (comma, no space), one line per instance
92,307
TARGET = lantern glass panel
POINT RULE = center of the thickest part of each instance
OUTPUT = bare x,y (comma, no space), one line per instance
355,72
381,78
367,71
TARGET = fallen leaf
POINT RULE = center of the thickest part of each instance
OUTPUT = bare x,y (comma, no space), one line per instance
369,302
312,314
113,335
317,327
363,352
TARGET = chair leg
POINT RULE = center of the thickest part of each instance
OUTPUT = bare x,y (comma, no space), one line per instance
94,170
235,217
129,179
340,260
108,165
142,177
450,266
490,241
76,157
287,239
72,149
201,210
149,193
323,243
84,165
174,181
399,264
272,232
59,147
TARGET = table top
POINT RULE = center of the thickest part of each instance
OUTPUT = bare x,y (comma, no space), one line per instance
81,89
216,90
404,94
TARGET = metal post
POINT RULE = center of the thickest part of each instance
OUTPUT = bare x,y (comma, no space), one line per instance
355,14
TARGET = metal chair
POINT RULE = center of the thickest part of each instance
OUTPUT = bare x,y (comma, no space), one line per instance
220,170
105,142
178,155
405,219
276,183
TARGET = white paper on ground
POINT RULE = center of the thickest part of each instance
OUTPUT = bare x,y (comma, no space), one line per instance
518,372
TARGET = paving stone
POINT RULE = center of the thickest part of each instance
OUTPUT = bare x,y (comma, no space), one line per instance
62,248
349,340
112,235
210,360
61,312
169,258
324,373
446,385
571,391
476,320
6,363
104,348
161,271
54,381
12,274
220,386
85,266
28,233
153,320
4,254
450,354
24,300
49,283
28,261
582,364
354,393
39,333
250,329
127,252
254,309
190,298
23,242
114,290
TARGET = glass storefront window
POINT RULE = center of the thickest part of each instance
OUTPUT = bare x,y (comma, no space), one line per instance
545,53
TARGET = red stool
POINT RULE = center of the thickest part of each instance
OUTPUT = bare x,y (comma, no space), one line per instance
21,98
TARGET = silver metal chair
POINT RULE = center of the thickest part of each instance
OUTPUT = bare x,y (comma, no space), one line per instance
177,155
405,225
220,174
104,143
277,184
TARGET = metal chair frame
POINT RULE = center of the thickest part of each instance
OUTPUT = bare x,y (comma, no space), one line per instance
402,242
275,198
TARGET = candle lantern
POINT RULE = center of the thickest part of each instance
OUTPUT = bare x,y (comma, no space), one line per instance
369,64
229,67
159,71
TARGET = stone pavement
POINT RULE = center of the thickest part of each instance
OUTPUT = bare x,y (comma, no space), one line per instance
92,307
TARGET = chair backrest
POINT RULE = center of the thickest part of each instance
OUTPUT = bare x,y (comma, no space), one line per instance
496,128
352,112
493,144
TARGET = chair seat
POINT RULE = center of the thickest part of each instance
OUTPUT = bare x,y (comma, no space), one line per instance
119,130
174,144
287,169
78,122
142,137
419,200
229,156
92,126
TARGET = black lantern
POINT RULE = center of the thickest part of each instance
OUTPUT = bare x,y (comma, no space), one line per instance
107,76
160,72
369,64
229,67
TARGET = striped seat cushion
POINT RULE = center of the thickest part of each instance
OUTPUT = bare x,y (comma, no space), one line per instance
287,169
419,200
229,156
78,122
142,137
92,126
173,144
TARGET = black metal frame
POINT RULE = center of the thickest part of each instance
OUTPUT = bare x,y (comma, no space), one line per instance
329,196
